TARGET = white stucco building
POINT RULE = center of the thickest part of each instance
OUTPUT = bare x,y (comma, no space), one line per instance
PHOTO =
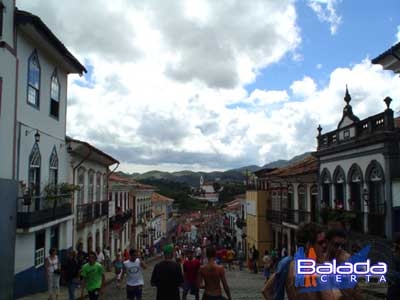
90,169
8,177
121,214
359,170
33,84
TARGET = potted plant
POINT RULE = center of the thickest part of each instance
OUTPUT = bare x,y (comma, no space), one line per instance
54,191
27,193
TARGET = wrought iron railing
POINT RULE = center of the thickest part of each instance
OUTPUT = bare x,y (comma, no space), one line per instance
274,216
38,210
118,220
295,216
89,212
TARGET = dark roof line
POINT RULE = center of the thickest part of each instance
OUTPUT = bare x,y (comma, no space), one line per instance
23,17
390,51
69,139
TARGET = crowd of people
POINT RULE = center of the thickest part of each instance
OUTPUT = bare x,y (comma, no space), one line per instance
323,246
191,267
184,267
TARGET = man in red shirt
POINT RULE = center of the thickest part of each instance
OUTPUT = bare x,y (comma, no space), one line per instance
191,268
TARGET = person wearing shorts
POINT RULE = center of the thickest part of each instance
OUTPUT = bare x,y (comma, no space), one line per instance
133,269
92,274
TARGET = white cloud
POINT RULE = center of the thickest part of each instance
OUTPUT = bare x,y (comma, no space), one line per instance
398,34
319,66
167,90
305,87
327,12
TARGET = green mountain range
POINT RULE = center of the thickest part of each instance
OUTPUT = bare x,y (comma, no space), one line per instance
193,178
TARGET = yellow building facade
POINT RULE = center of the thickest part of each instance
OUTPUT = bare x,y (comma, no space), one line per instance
259,233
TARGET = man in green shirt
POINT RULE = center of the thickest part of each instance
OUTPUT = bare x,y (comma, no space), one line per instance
92,274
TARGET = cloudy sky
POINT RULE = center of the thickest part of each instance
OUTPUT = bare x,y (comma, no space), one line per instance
214,85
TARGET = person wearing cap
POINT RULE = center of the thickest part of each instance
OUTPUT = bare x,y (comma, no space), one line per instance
167,276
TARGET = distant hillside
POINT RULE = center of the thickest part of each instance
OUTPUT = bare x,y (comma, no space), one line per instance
193,178
283,163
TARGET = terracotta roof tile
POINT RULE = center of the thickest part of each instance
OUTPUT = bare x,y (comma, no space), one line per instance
156,197
306,166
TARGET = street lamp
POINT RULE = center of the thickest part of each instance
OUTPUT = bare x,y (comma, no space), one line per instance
36,136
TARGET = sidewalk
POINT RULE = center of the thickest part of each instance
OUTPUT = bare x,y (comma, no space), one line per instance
109,277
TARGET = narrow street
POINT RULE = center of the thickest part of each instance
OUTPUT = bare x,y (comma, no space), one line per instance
243,284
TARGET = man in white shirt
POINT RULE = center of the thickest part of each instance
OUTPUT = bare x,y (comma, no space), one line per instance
100,256
133,269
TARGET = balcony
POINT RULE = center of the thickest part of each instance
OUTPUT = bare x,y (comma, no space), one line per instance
274,216
89,212
117,221
294,216
38,210
378,123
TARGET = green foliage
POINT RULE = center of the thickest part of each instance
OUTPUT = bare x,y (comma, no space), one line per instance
178,191
337,215
54,191
230,190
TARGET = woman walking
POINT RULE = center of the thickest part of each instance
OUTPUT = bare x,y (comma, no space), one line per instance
53,271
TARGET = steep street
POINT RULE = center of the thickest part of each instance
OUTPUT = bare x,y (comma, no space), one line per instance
243,284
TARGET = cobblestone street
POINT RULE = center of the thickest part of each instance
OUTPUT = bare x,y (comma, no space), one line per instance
243,284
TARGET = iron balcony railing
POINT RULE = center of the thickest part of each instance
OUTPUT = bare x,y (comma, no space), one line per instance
294,216
120,219
89,212
274,216
38,210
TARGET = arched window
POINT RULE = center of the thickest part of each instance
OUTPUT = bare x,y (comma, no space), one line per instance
314,203
375,180
104,189
290,198
326,188
34,173
302,197
91,185
33,79
55,95
98,186
340,184
53,167
376,201
355,180
81,184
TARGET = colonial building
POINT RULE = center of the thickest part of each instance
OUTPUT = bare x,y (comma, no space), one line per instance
143,214
89,169
390,59
292,199
207,192
34,82
258,229
121,213
162,208
359,170
8,126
